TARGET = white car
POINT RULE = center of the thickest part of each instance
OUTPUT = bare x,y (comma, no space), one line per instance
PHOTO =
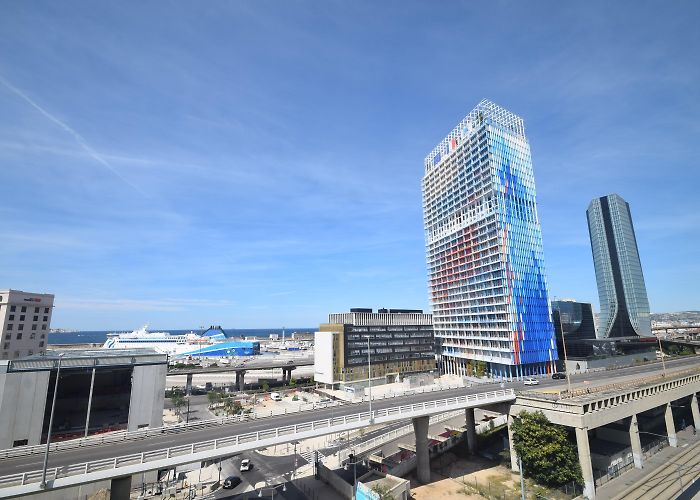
245,465
531,381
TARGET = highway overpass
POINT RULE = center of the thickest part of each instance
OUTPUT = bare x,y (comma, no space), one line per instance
93,463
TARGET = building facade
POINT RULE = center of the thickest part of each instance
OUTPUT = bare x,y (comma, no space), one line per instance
624,306
25,320
400,342
98,391
486,272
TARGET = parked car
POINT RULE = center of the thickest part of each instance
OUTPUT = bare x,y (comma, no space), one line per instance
231,482
558,376
246,465
531,381
275,396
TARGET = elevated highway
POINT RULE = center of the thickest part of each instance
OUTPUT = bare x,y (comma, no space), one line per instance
93,463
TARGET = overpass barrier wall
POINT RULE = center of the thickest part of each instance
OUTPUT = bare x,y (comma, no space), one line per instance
17,485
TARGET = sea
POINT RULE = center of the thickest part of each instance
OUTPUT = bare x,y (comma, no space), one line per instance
99,337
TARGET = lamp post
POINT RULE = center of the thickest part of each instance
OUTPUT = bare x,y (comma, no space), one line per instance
295,443
42,485
352,461
369,380
663,362
187,420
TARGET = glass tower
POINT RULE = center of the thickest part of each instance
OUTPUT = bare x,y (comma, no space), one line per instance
624,306
486,273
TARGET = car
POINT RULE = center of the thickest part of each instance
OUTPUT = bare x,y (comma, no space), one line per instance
558,376
246,465
531,381
231,482
290,362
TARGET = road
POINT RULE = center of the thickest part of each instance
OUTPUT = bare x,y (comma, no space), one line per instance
75,456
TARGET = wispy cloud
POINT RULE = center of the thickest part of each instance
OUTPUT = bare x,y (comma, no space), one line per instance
78,138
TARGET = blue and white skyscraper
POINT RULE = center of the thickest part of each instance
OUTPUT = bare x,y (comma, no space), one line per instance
624,306
485,259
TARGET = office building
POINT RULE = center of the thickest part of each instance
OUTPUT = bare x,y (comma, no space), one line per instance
624,306
25,320
575,321
400,343
98,391
486,272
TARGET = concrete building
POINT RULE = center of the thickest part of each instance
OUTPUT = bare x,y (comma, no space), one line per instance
486,272
98,391
624,306
400,342
25,320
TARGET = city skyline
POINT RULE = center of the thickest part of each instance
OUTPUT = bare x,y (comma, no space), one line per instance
252,166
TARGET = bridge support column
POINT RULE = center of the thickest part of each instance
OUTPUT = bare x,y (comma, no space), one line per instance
670,427
636,443
471,430
120,488
188,384
584,458
696,411
240,380
513,456
420,428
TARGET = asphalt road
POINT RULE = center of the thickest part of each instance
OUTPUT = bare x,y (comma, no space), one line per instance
75,456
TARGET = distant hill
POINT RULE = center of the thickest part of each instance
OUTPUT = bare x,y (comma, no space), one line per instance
676,317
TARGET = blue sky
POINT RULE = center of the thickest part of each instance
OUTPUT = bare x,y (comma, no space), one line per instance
258,164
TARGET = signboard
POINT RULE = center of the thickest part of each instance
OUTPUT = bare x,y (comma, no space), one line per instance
364,493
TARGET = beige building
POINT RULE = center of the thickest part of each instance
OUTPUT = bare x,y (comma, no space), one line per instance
25,319
400,342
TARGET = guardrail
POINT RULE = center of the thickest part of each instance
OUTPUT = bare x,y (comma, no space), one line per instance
119,436
233,444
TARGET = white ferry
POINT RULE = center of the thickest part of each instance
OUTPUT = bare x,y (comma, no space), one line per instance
163,342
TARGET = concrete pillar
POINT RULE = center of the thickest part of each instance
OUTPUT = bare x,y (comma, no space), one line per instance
695,410
240,380
670,427
471,430
188,385
420,428
636,443
584,458
513,457
120,488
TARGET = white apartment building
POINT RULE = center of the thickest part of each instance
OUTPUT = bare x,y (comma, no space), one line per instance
25,319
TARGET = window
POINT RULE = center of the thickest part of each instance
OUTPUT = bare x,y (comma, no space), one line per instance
21,317
9,327
13,308
41,344
24,309
6,346
32,335
36,309
19,336
20,326
43,336
46,318
11,317
19,442
33,327
43,327
36,318
46,310
8,336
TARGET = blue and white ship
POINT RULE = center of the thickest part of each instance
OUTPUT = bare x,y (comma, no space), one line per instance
213,342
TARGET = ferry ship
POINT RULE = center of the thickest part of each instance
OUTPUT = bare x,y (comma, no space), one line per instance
210,343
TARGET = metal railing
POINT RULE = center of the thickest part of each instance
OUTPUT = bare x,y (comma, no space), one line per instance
119,436
252,440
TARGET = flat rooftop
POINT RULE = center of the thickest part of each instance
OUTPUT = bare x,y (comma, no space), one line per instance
87,358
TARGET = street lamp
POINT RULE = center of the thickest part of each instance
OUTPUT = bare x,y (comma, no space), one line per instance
42,485
351,461
663,362
369,380
187,420
295,443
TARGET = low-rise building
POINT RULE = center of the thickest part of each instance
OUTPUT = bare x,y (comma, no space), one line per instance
400,342
98,391
25,320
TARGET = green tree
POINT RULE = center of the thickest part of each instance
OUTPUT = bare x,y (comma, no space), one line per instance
546,452
178,401
265,387
480,368
292,382
383,492
213,397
